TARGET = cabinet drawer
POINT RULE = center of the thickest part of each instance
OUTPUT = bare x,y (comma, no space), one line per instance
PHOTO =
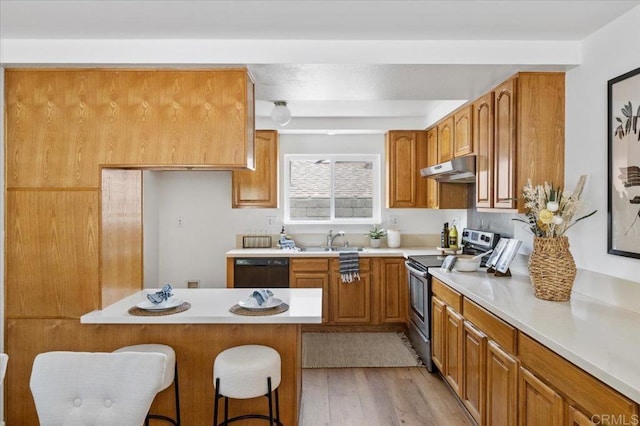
492,326
595,397
447,294
310,265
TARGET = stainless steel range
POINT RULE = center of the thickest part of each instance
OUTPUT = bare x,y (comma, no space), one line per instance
420,303
474,242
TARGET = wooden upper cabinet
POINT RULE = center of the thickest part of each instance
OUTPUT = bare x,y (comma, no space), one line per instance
445,139
63,123
505,145
525,140
483,139
406,154
259,187
463,135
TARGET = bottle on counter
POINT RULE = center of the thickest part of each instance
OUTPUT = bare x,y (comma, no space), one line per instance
453,236
444,236
283,235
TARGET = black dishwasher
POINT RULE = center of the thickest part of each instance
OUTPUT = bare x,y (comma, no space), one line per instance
261,272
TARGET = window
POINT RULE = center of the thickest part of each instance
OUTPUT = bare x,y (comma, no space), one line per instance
338,189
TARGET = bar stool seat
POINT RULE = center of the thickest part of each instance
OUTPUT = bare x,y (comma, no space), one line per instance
170,375
244,372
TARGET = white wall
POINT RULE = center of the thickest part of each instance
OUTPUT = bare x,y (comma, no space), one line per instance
608,53
196,251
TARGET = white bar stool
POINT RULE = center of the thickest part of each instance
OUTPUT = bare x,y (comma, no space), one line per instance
244,372
170,376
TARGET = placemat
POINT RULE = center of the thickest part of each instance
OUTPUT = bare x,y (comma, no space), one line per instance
144,313
237,309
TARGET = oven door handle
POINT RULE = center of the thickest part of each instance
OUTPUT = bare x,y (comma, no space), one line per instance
414,270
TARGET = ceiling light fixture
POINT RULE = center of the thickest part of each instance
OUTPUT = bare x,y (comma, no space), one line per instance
280,114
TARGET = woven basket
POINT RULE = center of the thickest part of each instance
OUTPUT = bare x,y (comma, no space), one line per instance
552,268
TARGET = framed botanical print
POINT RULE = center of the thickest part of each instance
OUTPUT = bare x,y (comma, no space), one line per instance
623,206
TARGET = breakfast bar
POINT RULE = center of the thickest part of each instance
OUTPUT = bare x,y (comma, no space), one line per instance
202,331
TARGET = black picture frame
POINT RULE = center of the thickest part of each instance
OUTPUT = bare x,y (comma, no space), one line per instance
623,180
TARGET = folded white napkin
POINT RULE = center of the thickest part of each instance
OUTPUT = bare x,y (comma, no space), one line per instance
262,297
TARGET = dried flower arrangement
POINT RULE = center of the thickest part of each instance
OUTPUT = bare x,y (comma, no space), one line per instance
551,210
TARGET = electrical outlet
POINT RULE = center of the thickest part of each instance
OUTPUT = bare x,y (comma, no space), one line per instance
272,220
394,221
180,222
193,284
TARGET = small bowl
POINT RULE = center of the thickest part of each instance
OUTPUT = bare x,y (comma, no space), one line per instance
465,263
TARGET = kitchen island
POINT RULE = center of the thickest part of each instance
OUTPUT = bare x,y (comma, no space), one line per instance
200,333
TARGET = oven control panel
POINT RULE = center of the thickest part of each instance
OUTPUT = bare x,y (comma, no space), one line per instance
482,240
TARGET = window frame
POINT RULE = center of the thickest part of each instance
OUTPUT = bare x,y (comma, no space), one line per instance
376,208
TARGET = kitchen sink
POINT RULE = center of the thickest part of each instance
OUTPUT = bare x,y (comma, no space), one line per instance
326,249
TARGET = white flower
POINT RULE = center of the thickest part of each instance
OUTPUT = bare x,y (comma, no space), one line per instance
553,206
557,220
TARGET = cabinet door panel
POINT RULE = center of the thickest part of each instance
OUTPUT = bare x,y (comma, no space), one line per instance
578,418
406,153
453,349
52,266
393,291
502,387
437,327
539,404
505,145
474,374
259,187
483,139
351,302
463,138
445,140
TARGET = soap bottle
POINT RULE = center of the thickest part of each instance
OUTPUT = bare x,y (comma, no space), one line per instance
444,236
283,235
453,236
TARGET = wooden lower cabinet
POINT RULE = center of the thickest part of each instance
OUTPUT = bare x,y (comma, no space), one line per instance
438,309
538,403
350,303
392,288
453,353
504,377
576,417
502,387
474,371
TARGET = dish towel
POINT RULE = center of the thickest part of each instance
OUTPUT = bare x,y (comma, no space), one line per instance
160,296
263,297
349,266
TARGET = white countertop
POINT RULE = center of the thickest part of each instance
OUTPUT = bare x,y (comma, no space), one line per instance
366,252
211,306
600,338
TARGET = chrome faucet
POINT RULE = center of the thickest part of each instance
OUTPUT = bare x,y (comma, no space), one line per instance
331,236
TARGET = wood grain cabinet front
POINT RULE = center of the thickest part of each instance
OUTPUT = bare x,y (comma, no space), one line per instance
518,131
390,283
350,302
146,118
258,188
406,154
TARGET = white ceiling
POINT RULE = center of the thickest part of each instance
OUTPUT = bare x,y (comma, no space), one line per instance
292,47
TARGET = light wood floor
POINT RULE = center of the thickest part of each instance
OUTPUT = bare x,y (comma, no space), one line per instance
408,396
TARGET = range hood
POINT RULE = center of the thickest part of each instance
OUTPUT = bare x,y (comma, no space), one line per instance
458,170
